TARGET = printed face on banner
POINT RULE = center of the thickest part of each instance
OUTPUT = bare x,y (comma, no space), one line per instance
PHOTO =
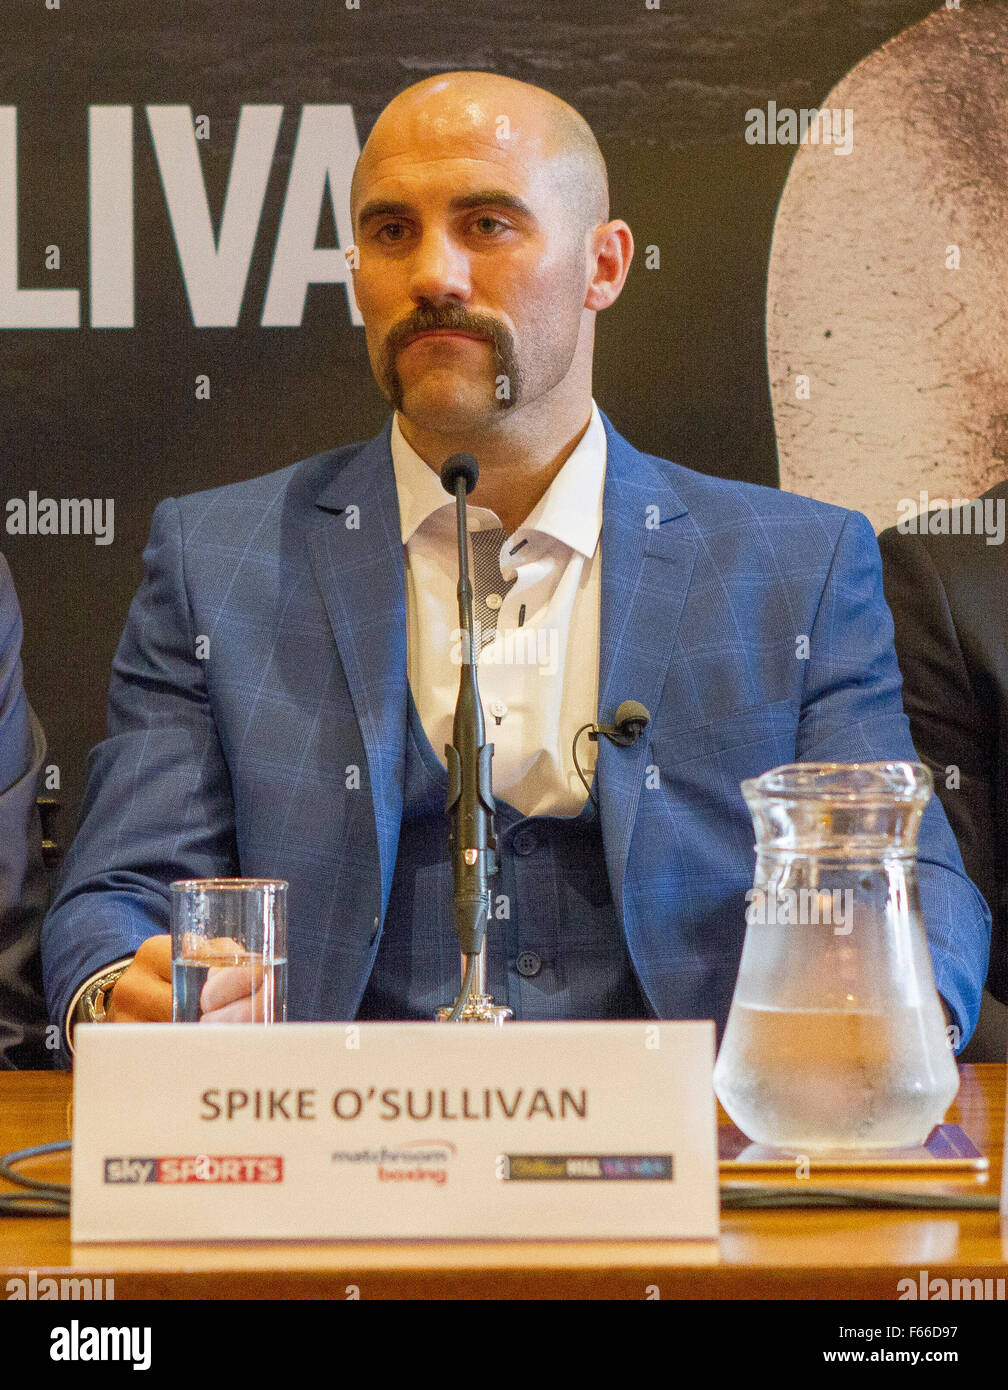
474,260
887,310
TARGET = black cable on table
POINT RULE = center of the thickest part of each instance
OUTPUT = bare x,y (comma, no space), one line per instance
41,1198
742,1197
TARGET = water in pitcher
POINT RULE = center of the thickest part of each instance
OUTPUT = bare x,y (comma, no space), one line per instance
267,983
835,1078
835,1038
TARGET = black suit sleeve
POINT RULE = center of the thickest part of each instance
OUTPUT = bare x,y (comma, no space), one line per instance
23,886
952,727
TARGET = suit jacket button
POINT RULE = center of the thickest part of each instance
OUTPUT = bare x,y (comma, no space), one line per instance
528,964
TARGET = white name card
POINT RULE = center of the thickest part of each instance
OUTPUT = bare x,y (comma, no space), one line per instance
410,1130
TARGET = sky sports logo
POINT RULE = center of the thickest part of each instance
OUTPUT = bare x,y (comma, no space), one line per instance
212,1168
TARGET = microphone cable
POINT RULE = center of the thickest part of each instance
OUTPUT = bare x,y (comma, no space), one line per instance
41,1198
753,1197
632,718
463,998
577,765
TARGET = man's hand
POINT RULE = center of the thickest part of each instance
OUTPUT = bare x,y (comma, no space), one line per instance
143,992
232,994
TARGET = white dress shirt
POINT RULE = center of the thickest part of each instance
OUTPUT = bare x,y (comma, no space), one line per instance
538,678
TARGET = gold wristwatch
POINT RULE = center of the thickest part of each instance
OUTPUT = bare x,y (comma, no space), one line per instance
94,1001
90,1003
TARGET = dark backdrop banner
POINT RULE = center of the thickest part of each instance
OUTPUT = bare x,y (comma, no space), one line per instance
174,183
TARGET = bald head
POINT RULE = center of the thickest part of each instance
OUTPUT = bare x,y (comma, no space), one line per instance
907,349
457,112
484,251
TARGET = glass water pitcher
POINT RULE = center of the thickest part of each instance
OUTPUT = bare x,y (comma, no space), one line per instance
836,1038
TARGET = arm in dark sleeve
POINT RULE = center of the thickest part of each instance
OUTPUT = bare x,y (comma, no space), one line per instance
951,729
853,711
158,804
22,875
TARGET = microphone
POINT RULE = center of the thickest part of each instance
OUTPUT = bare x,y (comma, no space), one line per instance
469,803
632,718
462,466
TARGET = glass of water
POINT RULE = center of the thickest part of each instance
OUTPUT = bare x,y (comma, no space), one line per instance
231,934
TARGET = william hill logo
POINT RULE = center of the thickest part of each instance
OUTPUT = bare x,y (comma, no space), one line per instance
211,1168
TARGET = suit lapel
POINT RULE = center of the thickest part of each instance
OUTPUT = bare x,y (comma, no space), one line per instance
647,561
357,559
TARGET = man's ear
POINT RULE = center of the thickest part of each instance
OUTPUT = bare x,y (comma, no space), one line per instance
610,253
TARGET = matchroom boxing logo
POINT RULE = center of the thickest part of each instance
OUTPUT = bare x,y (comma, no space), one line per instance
418,1161
212,1168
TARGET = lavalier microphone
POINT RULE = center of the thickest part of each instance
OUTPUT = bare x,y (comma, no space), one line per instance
632,718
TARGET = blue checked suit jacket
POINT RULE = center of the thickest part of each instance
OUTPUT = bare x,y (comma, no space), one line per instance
257,720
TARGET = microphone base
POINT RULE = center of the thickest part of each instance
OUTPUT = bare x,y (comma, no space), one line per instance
479,1008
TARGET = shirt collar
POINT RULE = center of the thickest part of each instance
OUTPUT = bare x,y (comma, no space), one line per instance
419,487
570,510
571,507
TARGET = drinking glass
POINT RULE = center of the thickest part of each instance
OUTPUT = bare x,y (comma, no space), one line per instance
234,925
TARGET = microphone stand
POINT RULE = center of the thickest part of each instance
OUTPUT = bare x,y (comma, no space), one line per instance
469,803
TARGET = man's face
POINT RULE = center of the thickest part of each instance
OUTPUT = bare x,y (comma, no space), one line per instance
473,268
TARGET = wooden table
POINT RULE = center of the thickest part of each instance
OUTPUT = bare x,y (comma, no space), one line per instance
763,1254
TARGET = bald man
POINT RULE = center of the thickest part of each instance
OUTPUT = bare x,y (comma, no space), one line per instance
304,738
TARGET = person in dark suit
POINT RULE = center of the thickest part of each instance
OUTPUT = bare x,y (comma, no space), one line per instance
23,888
946,583
283,689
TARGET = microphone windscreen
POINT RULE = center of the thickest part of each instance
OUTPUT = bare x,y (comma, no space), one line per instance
632,712
459,466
